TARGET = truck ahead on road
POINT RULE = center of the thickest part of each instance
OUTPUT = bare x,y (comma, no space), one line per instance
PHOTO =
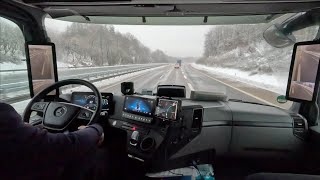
179,62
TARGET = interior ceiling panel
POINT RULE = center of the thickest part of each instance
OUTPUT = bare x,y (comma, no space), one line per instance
181,10
59,8
83,2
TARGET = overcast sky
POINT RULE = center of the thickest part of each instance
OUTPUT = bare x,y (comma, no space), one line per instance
178,41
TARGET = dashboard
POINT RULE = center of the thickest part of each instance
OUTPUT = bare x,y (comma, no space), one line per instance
171,132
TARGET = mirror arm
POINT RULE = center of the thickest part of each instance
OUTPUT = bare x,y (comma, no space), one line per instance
317,38
300,21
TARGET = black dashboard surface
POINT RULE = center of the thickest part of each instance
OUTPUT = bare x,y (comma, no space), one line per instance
227,128
221,118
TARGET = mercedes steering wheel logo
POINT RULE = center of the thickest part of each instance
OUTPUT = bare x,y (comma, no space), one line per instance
60,111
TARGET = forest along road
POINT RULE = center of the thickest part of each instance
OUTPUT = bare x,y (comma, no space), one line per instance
194,79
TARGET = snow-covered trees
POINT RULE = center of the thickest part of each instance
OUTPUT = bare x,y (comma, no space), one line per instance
243,47
82,45
11,42
97,45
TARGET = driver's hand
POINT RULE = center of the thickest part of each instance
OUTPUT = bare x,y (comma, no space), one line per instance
27,124
82,127
101,139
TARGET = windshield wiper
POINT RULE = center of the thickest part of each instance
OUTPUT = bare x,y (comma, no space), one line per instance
249,102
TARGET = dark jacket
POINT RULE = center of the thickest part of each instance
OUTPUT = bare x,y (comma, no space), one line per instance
28,152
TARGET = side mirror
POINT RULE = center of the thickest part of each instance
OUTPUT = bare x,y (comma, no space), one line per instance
303,80
276,37
42,66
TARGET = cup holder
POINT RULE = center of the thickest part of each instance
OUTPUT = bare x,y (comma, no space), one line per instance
147,144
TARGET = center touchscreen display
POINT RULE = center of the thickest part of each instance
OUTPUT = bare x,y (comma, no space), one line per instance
138,105
167,109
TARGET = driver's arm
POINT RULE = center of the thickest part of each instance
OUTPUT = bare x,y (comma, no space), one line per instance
60,146
57,148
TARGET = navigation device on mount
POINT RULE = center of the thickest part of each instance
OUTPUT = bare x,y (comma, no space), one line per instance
168,109
303,78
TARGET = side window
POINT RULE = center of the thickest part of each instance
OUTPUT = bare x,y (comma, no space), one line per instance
14,87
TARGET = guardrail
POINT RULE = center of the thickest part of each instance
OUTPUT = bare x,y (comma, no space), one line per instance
91,77
12,70
80,67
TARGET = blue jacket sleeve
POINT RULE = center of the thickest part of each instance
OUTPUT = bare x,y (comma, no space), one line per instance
56,147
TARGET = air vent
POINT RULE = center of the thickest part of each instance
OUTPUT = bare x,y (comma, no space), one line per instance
300,126
197,119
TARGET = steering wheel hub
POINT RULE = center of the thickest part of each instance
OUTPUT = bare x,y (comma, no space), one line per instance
60,111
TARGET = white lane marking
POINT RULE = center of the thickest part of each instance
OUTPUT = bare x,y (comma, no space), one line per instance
190,86
163,78
244,92
184,76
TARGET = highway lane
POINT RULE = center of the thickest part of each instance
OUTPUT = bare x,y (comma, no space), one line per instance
207,82
188,76
147,80
191,78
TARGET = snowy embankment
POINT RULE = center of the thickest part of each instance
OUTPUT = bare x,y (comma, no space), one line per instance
11,66
275,82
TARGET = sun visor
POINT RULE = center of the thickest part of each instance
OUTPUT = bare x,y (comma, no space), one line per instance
58,13
208,96
131,20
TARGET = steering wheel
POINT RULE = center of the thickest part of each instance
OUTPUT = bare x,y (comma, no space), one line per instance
58,116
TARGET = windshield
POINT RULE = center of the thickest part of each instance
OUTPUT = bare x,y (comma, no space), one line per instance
232,59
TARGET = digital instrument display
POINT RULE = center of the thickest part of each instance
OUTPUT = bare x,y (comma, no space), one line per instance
303,78
88,100
138,105
167,109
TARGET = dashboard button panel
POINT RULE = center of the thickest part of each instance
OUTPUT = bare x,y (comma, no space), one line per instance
137,117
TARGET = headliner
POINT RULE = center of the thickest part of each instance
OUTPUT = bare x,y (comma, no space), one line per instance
146,9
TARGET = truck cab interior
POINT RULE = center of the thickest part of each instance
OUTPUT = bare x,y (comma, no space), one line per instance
173,125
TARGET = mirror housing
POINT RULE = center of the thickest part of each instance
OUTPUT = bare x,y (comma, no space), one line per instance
280,35
276,36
